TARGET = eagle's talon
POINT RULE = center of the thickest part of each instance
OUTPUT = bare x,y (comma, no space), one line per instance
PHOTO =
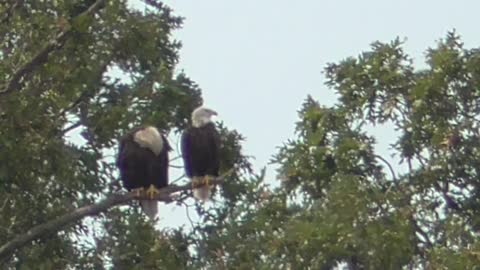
151,192
208,180
196,181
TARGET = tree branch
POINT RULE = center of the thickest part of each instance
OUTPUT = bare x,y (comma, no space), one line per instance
57,224
389,167
421,232
73,105
71,127
41,57
448,200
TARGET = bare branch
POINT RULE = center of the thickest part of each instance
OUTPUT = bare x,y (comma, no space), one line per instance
420,231
450,202
5,202
175,158
42,56
74,104
187,207
389,167
71,127
57,224
178,179
176,166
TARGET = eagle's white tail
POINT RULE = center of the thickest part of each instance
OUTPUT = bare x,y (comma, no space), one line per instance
202,193
150,207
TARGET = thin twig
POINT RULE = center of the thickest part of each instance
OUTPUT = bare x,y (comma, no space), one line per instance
5,202
178,145
178,179
389,166
410,167
176,166
71,127
422,233
449,201
175,158
188,214
74,104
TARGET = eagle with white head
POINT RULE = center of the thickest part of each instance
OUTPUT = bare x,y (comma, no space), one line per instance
201,151
143,163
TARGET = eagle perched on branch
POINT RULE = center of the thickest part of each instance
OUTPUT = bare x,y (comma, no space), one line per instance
200,145
143,164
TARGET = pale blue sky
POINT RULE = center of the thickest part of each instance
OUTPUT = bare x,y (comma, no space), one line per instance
256,61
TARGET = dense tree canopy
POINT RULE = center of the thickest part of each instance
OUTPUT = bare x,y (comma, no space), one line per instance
341,204
338,203
57,61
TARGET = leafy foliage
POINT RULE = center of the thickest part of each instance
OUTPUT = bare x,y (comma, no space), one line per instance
340,203
62,110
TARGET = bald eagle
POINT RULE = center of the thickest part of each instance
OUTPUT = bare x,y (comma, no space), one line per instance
200,146
143,164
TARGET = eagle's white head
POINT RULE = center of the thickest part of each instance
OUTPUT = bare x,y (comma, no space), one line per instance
150,138
202,116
